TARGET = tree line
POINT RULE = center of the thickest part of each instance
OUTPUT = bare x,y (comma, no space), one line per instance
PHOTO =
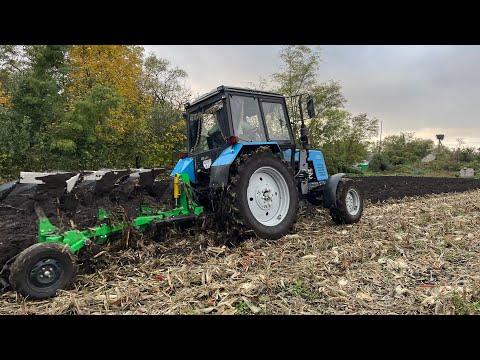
113,106
404,153
88,107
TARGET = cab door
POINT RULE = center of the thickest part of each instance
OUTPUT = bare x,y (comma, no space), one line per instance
277,126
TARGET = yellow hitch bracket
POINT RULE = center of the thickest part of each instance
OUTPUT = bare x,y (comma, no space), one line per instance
176,189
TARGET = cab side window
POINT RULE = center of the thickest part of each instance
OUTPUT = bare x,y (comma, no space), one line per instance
275,120
246,116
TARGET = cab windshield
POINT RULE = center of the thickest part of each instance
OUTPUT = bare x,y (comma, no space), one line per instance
208,128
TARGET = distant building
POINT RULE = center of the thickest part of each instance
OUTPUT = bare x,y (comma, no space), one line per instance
467,172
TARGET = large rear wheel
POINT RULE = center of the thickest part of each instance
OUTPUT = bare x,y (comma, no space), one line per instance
264,195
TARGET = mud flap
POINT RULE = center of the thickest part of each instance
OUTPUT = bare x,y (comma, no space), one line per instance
330,191
219,176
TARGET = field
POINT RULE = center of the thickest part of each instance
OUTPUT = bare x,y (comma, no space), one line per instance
408,255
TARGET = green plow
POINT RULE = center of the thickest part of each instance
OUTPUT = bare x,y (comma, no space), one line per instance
50,265
77,239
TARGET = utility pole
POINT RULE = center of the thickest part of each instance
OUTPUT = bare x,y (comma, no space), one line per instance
380,144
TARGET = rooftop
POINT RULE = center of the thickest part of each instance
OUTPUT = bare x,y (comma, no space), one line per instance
223,88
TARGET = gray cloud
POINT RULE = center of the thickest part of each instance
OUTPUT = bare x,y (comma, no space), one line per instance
425,89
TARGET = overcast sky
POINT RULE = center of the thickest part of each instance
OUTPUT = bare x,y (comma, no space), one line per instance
425,89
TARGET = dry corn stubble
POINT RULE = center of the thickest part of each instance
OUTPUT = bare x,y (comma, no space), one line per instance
417,256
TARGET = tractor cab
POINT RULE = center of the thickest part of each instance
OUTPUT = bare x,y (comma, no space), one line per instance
229,115
232,118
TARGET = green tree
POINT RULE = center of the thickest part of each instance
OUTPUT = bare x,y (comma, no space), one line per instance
33,77
344,138
164,84
88,106
380,162
405,148
468,154
84,140
105,95
167,132
14,145
328,96
297,75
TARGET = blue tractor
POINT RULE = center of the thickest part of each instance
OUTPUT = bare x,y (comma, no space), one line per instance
242,160
242,163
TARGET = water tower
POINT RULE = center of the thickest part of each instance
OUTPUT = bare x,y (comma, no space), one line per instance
440,137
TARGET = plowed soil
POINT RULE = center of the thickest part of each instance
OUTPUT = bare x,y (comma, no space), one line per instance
381,188
19,220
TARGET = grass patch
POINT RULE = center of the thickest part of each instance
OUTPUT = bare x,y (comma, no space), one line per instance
242,308
298,288
465,307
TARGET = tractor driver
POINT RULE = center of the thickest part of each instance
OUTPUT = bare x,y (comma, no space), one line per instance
214,137
246,131
248,120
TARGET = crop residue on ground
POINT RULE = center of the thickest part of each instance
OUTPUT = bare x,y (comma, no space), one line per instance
415,256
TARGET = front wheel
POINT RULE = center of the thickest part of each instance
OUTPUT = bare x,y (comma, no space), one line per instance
264,195
42,269
349,203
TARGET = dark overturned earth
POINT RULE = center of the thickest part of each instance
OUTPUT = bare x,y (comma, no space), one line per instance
21,208
19,220
380,188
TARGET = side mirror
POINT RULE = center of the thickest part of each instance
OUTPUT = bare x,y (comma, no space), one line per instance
310,107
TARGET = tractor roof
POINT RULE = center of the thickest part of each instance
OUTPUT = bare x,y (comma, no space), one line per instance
232,89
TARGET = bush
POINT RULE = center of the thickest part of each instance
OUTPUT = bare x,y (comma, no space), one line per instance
380,162
444,161
345,168
352,170
473,164
415,169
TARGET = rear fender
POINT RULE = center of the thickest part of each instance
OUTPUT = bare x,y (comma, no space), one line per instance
186,166
330,191
220,169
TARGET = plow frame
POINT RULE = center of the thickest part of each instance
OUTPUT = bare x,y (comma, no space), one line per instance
77,239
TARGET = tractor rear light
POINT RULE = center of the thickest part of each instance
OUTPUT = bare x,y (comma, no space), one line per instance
182,155
232,140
